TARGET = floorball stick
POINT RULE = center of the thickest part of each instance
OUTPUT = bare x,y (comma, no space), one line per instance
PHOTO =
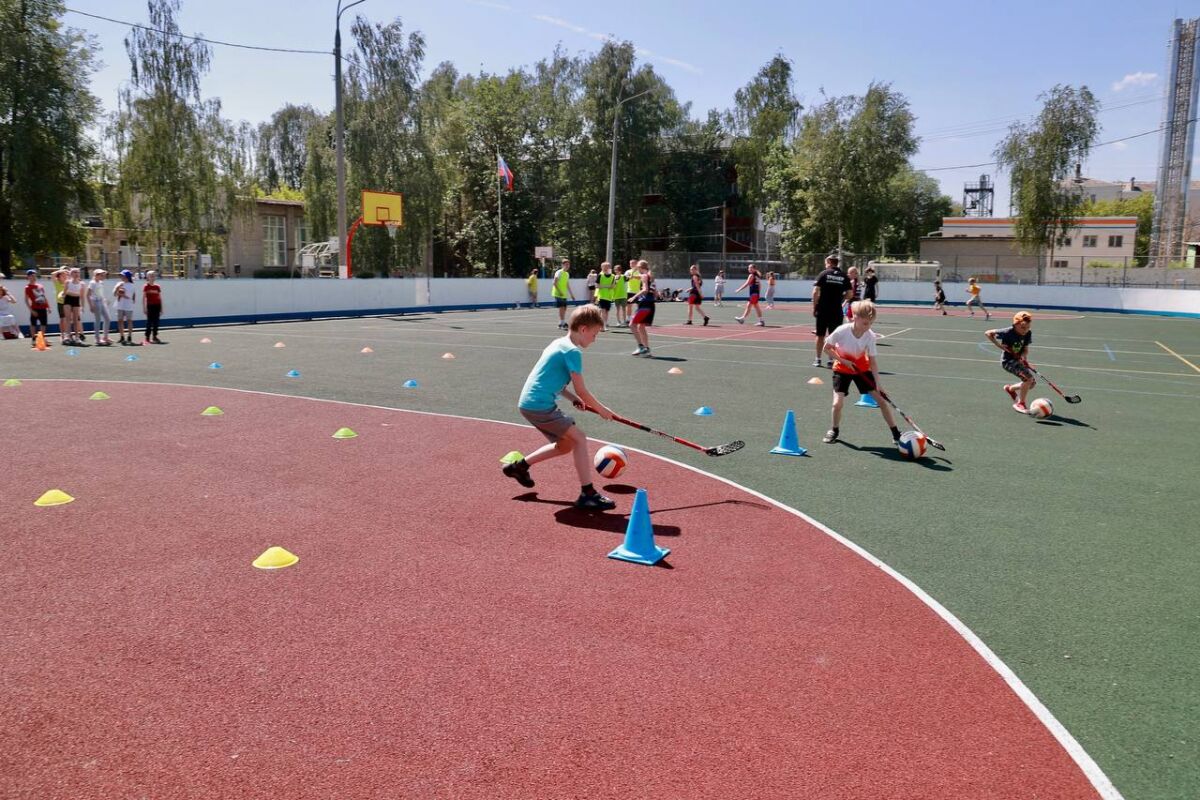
720,450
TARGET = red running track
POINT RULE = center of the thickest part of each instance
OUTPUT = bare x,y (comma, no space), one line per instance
448,634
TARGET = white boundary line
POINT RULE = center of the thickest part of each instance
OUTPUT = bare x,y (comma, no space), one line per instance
1086,764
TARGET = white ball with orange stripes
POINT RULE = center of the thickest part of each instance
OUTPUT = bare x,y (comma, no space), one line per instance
1041,408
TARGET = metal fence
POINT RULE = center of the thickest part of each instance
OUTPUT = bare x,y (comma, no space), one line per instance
1128,272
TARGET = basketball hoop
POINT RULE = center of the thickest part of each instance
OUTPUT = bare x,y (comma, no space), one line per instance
393,227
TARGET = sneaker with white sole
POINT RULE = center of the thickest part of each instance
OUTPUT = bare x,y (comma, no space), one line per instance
761,324
1020,408
740,321
1011,392
816,362
830,436
519,472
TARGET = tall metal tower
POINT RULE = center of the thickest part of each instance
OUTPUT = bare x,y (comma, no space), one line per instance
1179,135
978,197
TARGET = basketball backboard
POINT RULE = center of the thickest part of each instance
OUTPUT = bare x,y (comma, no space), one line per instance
382,208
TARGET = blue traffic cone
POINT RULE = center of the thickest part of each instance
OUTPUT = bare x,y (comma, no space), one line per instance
866,401
639,544
215,365
131,358
295,373
703,411
788,445
411,384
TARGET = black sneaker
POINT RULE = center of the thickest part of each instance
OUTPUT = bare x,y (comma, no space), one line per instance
595,502
830,437
706,320
519,473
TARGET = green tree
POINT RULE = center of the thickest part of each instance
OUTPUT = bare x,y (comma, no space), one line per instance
45,109
763,120
282,147
915,206
169,180
1039,155
844,158
320,180
1139,205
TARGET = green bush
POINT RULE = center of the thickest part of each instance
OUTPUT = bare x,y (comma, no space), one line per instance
1105,264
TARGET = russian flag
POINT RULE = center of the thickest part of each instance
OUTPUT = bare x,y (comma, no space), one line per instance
504,173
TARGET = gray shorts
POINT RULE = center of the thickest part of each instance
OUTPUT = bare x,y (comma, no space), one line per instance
553,424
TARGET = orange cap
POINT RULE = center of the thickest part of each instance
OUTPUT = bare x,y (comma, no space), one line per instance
1022,316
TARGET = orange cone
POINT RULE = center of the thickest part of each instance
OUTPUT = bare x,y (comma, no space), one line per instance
40,344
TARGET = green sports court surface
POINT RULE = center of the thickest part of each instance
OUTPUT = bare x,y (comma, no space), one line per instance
1070,546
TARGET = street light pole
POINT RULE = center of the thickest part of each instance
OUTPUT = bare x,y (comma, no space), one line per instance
612,178
339,137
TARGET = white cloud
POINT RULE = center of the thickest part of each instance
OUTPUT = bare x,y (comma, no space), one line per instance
1134,79
1120,145
486,4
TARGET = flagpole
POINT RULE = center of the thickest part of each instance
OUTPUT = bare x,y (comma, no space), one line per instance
499,219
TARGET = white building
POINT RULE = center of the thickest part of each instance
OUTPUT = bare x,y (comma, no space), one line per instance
1108,239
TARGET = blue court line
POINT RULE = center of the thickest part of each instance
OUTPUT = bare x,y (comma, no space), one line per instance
1111,357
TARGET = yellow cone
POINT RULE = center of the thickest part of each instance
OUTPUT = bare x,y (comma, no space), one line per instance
674,371
344,433
280,344
54,497
815,381
99,396
211,411
275,558
448,356
511,457
12,382
366,350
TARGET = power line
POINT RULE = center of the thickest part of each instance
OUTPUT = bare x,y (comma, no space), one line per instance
969,130
200,38
1101,144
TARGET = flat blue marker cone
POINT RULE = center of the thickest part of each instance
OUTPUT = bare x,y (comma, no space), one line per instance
410,384
703,411
215,365
293,373
639,544
72,352
866,401
131,358
788,445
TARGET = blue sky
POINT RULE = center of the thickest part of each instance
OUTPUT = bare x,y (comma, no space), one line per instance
968,69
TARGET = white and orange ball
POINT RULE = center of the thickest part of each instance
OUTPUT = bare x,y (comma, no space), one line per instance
610,461
1041,408
912,444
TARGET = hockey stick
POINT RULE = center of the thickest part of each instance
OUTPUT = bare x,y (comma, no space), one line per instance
1074,398
720,450
932,442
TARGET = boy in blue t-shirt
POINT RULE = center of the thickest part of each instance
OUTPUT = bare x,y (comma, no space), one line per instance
561,364
1015,343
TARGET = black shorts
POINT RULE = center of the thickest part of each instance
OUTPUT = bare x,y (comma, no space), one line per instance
842,381
605,305
42,315
71,300
828,321
561,302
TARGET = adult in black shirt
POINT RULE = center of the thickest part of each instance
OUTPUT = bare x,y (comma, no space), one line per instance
830,290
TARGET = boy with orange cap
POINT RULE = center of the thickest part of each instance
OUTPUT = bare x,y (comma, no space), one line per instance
1015,343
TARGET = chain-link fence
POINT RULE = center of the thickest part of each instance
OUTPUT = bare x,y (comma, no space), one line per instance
1131,271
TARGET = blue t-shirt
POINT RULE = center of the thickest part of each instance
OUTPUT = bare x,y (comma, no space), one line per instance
551,374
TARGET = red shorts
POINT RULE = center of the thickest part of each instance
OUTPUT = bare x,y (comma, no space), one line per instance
693,299
643,316
753,300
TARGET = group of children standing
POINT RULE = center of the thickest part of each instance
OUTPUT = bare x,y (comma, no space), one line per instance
72,295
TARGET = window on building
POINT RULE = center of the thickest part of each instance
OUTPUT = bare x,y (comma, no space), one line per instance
1089,241
1064,241
1061,263
274,242
1116,241
303,236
